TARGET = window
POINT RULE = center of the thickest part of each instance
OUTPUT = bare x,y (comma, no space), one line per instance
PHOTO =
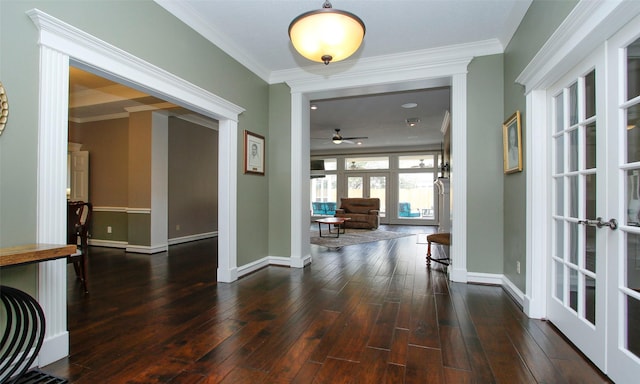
360,163
415,196
416,161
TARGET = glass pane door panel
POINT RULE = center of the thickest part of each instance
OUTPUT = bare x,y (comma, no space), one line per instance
590,95
573,243
633,333
559,274
590,249
590,150
633,134
633,70
415,195
559,224
573,289
378,188
355,186
590,300
324,195
573,104
573,150
560,195
633,197
590,192
633,262
559,154
574,194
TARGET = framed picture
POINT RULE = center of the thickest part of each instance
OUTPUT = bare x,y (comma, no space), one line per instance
253,153
512,143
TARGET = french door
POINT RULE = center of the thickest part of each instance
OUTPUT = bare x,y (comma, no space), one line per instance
594,268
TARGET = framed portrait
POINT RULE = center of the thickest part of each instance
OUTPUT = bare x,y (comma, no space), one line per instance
253,153
512,144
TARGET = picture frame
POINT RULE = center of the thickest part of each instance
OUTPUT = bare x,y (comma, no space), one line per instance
512,144
254,153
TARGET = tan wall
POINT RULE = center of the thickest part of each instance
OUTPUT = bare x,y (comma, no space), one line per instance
193,179
140,160
108,145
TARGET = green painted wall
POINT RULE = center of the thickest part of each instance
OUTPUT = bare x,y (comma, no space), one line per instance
484,165
279,169
145,30
541,20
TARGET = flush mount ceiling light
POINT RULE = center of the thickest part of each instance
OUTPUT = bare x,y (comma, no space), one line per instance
327,34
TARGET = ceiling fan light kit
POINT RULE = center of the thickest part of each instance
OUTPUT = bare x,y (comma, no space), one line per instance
327,34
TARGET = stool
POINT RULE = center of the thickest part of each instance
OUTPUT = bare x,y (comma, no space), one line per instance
438,238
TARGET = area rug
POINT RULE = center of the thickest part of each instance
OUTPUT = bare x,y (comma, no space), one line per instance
353,236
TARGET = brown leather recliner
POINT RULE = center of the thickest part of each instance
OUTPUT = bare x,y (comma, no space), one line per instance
363,212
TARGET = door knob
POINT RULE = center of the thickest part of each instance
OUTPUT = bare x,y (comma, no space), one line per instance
612,223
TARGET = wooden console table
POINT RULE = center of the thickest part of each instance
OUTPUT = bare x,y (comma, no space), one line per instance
25,325
34,253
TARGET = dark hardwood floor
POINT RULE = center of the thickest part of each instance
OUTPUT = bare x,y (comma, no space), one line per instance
369,313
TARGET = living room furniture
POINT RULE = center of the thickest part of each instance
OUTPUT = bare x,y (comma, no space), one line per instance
78,222
336,221
362,212
438,238
404,210
324,208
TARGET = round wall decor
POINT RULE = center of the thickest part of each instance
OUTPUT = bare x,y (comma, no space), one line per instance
4,108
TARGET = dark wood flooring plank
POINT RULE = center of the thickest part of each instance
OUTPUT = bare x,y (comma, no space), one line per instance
372,367
382,332
454,351
289,363
424,322
506,364
399,347
335,371
353,339
394,374
424,365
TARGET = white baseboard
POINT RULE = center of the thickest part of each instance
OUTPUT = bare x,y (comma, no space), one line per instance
147,249
108,243
186,239
53,349
498,279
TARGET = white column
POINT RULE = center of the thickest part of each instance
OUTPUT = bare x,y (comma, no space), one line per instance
536,153
300,170
227,196
51,195
458,267
159,182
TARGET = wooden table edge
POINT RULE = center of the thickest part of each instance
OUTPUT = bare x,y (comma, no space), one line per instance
33,253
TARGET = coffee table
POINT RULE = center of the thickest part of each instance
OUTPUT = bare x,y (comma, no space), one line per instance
337,221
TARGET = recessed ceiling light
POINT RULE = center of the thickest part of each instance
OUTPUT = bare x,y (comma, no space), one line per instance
314,107
409,105
413,121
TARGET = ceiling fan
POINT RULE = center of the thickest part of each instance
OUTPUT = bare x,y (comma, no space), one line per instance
338,139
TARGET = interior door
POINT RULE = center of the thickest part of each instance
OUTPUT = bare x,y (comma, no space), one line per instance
594,296
370,185
79,176
624,252
577,304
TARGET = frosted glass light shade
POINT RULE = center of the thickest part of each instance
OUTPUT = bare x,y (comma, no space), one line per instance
326,35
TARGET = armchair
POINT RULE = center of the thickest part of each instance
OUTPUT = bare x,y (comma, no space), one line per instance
363,212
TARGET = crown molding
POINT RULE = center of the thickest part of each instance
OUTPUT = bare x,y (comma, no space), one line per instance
185,13
588,24
391,65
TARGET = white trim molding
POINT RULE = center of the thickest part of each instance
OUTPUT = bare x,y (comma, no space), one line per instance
61,43
190,238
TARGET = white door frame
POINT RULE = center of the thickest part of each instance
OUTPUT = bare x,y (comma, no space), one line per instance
61,43
437,69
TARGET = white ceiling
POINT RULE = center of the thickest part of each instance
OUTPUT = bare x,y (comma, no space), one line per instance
255,32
